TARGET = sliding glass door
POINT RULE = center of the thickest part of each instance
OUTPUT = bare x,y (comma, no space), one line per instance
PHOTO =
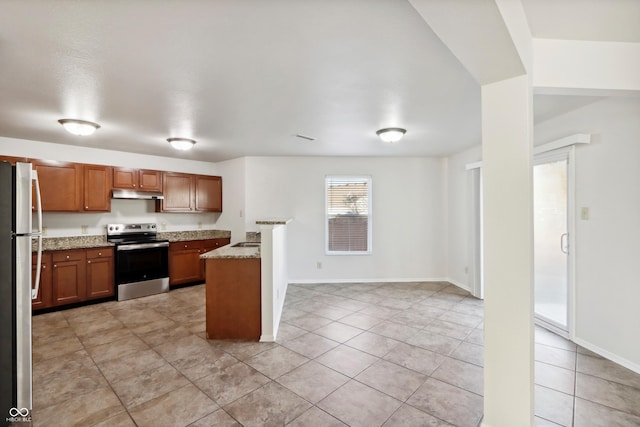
551,239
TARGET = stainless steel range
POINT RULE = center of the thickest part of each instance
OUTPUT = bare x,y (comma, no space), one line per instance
142,260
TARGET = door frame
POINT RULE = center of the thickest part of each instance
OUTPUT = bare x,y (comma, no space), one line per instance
567,153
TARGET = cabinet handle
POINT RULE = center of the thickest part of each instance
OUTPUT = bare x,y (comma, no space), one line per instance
141,185
134,185
86,207
99,253
55,265
44,266
67,256
186,246
88,262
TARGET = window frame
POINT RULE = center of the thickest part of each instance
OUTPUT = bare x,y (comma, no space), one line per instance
368,179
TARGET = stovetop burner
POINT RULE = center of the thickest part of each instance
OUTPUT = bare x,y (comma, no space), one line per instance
132,233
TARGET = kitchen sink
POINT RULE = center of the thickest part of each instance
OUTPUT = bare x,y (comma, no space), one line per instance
246,245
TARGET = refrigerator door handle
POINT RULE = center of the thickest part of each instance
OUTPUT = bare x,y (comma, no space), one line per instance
37,234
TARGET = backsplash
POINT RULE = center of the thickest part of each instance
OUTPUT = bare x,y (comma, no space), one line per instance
58,224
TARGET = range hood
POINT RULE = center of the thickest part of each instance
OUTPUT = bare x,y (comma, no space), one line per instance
134,194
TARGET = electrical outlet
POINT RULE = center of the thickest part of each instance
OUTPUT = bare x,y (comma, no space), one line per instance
163,226
85,229
466,270
319,265
44,231
241,213
199,225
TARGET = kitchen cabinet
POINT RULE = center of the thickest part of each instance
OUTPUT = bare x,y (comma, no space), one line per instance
185,265
13,160
209,245
233,298
184,262
190,193
97,188
44,294
72,276
68,276
60,185
208,193
137,179
100,281
178,192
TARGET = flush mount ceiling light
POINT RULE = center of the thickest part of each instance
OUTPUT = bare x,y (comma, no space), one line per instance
79,127
391,134
181,143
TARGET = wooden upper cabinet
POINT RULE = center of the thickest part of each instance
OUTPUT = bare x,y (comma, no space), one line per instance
208,193
137,179
97,188
190,193
150,180
178,190
13,160
60,185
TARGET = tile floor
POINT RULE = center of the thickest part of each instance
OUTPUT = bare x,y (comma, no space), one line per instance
403,354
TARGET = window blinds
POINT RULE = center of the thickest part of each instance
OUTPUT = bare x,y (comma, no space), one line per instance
348,216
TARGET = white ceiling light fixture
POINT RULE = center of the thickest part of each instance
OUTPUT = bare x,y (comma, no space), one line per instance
391,135
79,127
181,143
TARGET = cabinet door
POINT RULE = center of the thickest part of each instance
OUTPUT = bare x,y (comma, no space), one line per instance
60,185
184,262
100,281
68,277
210,245
43,299
178,189
150,180
208,193
125,179
97,188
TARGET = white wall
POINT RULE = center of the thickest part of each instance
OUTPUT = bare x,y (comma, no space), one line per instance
408,215
607,253
233,174
458,214
607,250
70,224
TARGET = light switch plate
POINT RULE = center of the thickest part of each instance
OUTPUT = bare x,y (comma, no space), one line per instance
584,213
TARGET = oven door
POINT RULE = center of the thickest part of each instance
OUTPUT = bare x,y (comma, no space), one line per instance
138,262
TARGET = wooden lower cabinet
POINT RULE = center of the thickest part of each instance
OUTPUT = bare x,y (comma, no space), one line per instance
233,298
69,276
100,282
184,262
72,276
185,265
43,299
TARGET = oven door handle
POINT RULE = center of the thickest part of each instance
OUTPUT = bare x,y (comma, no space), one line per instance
137,246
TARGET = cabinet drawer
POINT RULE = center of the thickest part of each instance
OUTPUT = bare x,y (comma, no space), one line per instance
99,253
62,256
190,244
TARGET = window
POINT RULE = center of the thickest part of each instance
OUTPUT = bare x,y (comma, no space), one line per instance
348,213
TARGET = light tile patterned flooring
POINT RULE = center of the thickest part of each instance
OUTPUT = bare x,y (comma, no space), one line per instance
402,354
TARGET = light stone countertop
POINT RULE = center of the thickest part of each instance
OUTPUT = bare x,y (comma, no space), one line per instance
87,242
231,252
274,221
181,236
72,242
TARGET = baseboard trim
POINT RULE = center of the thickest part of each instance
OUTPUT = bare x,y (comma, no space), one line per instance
608,355
376,280
459,284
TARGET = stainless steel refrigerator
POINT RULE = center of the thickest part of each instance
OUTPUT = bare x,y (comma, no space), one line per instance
16,234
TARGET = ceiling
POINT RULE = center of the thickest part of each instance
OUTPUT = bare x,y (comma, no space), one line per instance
243,77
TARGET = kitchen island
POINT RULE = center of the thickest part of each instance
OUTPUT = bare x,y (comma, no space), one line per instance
233,293
246,286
